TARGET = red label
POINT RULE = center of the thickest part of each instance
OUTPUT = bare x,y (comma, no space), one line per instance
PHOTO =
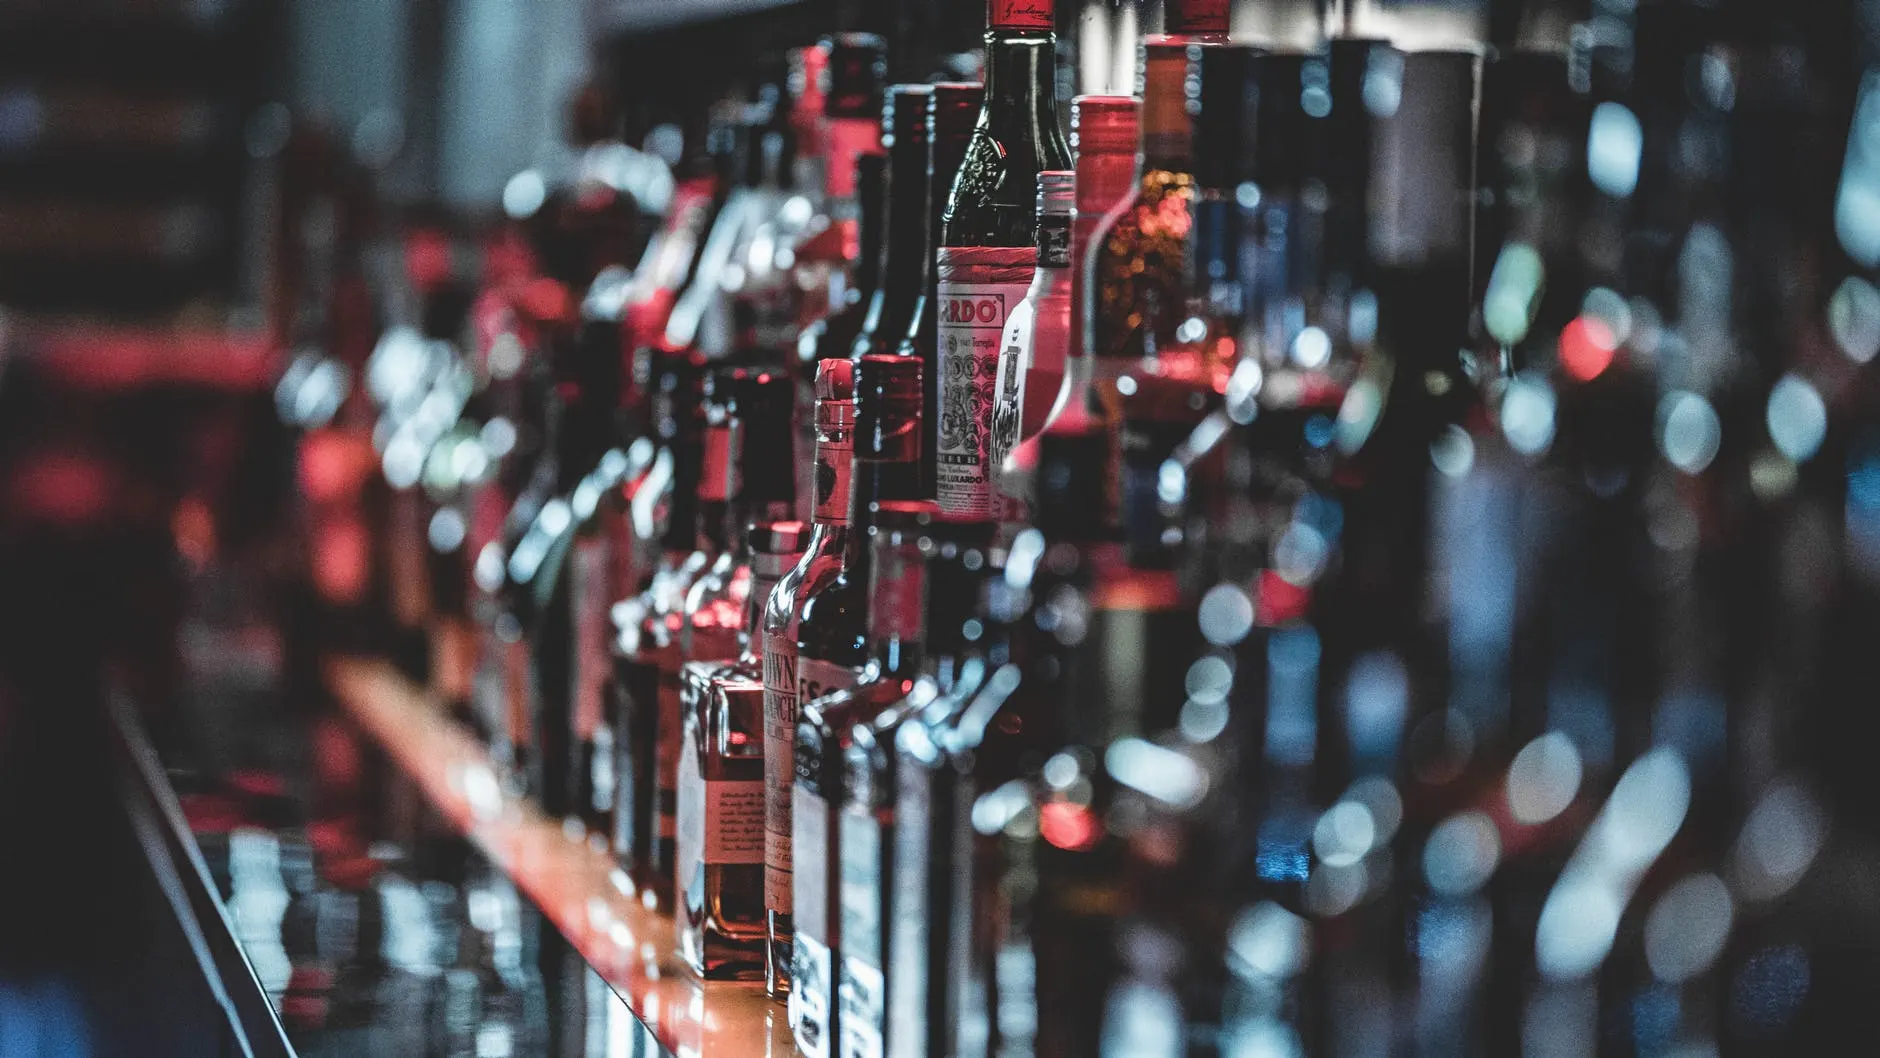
1195,16
1021,14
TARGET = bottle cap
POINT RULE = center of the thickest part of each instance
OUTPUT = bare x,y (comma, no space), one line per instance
778,538
1104,124
1194,17
856,72
904,115
835,379
1021,14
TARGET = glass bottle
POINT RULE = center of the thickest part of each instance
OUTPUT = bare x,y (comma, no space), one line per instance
887,460
721,783
646,626
829,608
821,563
1037,333
905,134
1143,328
955,562
988,245
952,115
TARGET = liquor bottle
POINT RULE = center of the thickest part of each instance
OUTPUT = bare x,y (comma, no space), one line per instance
988,245
827,604
954,565
820,564
1031,361
838,256
721,832
891,306
824,735
646,627
887,469
1142,326
1103,135
832,336
952,118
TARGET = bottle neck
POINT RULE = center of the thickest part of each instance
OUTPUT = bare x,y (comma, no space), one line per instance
1021,88
871,227
875,481
835,462
906,248
719,511
1167,131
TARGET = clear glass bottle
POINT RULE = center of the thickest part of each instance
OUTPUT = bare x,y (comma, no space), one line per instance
1036,341
988,244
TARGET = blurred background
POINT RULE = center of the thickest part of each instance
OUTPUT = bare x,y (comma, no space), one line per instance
213,212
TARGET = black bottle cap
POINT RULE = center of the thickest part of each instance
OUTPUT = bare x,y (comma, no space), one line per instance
765,401
858,67
904,117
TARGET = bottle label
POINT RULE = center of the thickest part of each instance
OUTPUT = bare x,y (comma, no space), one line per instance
815,678
813,968
721,822
978,287
1021,14
835,463
779,766
590,633
1054,240
910,903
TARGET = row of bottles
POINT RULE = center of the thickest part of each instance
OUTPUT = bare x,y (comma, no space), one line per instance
1352,551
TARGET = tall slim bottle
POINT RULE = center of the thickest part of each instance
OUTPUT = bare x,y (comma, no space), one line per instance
887,468
988,244
903,251
952,116
830,612
1037,335
821,562
1143,327
647,633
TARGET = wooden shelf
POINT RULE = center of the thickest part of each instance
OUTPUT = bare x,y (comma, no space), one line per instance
575,884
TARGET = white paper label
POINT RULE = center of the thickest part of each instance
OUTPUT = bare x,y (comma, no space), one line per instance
978,289
813,979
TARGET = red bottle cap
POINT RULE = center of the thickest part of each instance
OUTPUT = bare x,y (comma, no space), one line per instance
1194,17
1104,124
1021,14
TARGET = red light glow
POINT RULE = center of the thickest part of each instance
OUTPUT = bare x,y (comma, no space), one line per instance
1586,348
1068,826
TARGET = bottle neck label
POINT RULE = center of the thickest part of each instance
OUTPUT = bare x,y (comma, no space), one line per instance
1194,17
1054,240
978,287
1021,14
